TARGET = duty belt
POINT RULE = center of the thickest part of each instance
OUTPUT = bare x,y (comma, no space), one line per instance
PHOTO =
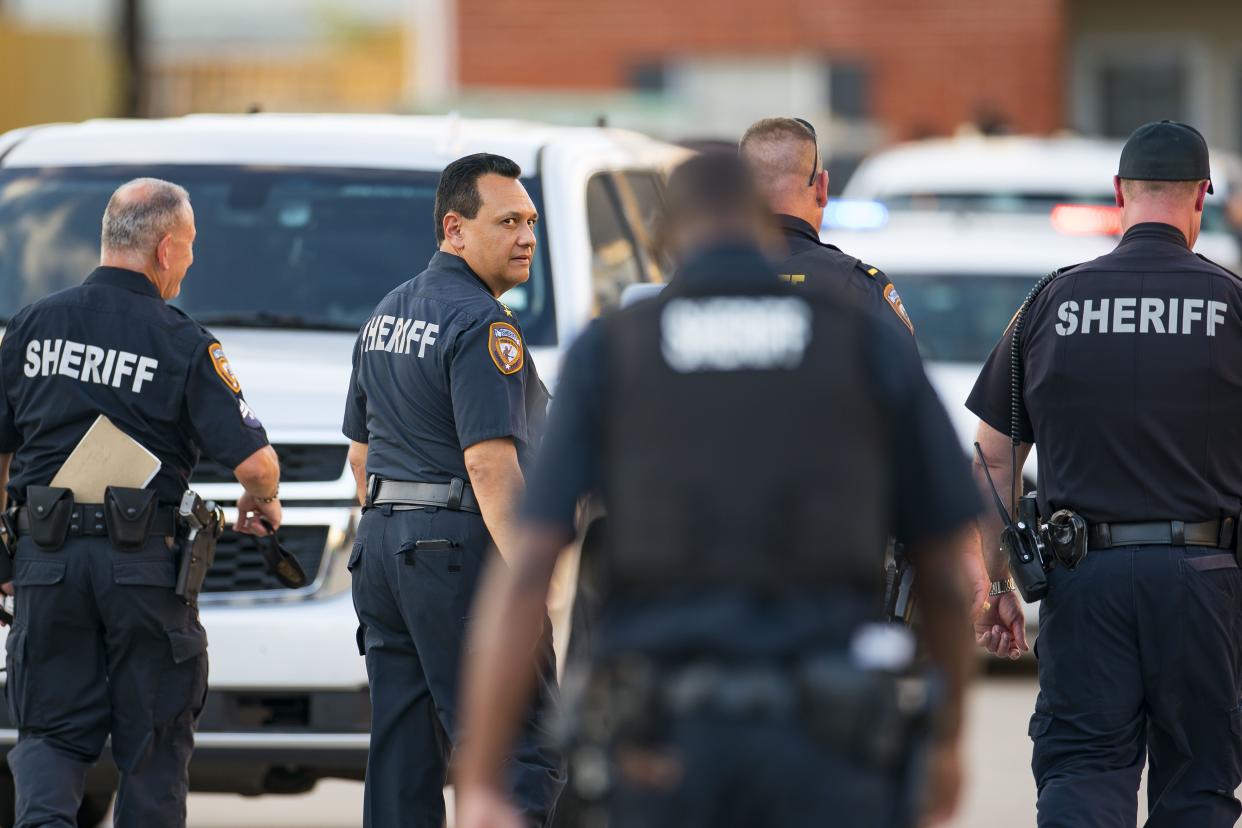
455,495
1215,533
87,520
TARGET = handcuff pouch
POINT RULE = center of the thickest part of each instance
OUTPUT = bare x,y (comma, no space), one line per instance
129,514
49,510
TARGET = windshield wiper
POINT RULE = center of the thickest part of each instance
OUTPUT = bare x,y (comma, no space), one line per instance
268,319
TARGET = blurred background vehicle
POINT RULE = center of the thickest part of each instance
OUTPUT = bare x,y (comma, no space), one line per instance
304,223
1025,176
870,75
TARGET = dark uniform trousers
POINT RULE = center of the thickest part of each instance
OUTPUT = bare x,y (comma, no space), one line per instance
414,612
1140,652
101,646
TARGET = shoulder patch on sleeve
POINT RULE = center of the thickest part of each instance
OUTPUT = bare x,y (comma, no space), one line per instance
221,363
247,414
505,346
894,301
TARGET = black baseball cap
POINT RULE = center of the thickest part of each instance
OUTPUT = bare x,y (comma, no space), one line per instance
1165,151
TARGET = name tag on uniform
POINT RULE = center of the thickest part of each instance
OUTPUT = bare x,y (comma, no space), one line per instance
88,363
1140,314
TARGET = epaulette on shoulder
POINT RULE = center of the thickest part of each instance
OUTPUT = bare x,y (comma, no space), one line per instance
872,272
1218,264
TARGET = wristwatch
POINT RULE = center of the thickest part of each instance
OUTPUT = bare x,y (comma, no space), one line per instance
1001,587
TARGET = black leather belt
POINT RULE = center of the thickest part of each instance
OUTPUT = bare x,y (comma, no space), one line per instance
88,521
456,495
1215,533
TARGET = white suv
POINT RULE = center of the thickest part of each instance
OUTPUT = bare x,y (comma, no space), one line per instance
304,223
1017,175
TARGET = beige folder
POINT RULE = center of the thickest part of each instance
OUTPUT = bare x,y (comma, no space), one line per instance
105,456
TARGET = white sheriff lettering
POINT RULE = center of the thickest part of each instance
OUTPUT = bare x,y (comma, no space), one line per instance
89,363
397,335
1142,315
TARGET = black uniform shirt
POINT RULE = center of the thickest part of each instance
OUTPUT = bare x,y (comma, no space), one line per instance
817,265
112,346
932,493
1133,384
440,366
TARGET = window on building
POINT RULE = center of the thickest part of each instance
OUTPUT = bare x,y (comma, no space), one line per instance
614,260
649,76
1132,94
849,91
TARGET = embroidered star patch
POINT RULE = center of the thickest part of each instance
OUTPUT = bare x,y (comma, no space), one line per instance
894,300
504,344
221,363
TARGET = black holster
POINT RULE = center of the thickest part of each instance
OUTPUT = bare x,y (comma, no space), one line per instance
898,585
49,510
8,543
201,526
130,514
198,553
873,717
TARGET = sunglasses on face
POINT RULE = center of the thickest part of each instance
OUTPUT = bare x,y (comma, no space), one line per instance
810,182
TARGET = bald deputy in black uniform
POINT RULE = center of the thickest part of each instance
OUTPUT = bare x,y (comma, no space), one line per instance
101,645
445,410
1131,385
783,156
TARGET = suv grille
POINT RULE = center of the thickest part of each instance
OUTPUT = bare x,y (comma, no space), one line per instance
239,565
299,463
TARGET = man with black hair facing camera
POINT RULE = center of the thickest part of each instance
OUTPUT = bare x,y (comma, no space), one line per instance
1128,374
737,681
444,411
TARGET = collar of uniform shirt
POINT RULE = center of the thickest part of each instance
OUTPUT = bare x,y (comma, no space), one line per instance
457,266
122,278
1154,230
796,226
718,267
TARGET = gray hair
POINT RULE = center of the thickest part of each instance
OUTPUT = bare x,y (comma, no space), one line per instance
140,213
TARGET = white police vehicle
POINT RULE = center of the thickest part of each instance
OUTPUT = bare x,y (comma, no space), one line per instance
1020,176
304,223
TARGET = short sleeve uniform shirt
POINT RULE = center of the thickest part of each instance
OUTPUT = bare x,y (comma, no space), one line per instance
440,366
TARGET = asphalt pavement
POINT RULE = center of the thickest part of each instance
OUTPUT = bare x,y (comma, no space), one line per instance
999,789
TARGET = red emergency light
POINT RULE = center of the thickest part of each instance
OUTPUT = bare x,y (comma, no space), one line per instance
1086,219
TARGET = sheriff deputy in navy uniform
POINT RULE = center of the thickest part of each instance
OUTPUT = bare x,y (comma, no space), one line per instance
1131,386
742,560
783,155
101,646
445,409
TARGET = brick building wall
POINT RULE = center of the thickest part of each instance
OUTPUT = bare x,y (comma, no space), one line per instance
931,64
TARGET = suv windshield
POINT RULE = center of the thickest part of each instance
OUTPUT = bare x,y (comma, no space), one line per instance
277,247
961,318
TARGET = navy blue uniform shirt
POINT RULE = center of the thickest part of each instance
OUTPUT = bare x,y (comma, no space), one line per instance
441,365
1133,384
820,266
933,492
112,346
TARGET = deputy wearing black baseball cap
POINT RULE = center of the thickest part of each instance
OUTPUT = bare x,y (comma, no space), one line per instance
1166,151
1126,378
